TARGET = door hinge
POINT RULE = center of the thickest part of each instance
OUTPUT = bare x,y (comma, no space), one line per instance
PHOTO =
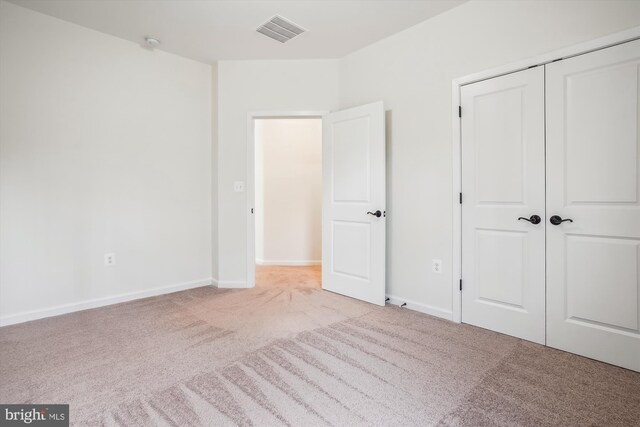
251,210
460,284
459,111
460,198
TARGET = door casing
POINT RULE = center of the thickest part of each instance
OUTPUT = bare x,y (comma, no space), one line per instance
456,84
250,191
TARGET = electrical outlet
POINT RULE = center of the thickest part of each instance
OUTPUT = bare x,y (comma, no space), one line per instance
436,265
238,186
109,259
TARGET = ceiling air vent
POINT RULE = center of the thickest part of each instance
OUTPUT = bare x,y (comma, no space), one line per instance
280,29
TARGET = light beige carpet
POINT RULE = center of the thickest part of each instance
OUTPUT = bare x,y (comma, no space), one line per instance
300,357
289,276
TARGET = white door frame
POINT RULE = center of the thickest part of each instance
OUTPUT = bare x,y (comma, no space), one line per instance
582,48
250,191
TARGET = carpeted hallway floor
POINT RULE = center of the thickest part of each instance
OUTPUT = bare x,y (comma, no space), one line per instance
299,357
288,276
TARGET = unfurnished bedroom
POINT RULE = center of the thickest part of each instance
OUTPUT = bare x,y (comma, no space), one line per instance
320,213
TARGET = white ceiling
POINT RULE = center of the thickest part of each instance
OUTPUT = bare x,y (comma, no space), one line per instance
209,30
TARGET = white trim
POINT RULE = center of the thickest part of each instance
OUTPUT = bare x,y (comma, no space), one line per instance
26,316
293,263
422,308
232,284
250,200
456,296
579,49
287,114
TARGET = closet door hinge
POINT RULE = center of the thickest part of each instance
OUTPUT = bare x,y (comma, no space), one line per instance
461,284
460,198
459,111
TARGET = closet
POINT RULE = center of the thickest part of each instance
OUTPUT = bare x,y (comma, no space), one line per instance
551,211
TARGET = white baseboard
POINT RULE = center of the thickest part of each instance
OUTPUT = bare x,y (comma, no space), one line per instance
301,263
231,284
422,308
26,316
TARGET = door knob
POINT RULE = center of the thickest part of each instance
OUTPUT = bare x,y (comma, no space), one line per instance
557,220
534,219
377,214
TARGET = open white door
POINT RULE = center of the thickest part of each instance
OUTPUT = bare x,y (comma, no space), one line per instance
353,217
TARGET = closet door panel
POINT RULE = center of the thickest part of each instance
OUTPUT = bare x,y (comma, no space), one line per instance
593,182
502,181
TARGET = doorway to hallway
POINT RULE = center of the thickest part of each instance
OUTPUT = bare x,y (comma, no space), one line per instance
288,202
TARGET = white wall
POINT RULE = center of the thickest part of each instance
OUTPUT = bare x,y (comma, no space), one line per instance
257,86
214,171
288,191
104,147
412,73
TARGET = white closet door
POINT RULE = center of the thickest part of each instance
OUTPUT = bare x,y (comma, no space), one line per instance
593,179
503,180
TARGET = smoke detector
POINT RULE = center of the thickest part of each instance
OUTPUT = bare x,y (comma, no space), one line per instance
152,42
280,29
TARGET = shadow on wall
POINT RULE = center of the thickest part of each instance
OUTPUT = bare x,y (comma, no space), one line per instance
388,126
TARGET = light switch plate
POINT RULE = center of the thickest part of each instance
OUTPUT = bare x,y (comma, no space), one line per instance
436,265
109,259
238,186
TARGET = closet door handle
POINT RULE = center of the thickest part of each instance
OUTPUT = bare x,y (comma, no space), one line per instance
377,214
557,220
534,219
